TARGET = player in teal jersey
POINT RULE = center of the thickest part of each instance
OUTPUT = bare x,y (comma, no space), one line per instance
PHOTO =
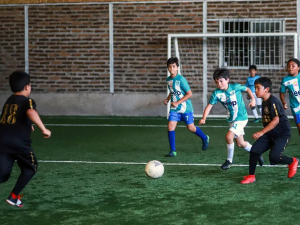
291,83
181,106
230,96
250,84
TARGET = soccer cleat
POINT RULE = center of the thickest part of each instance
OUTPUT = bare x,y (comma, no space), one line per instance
14,200
248,179
261,160
172,154
227,164
205,143
256,120
293,167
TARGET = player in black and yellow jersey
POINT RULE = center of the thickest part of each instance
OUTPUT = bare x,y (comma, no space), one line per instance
275,135
17,118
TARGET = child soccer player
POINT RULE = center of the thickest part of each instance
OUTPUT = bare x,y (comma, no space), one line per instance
18,113
291,83
181,106
275,135
230,96
250,84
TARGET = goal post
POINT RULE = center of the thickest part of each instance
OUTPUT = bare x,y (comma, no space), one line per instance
200,54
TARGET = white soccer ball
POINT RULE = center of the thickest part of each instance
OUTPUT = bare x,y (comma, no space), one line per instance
154,169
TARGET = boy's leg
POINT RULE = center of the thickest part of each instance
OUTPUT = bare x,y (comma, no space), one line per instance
28,165
230,150
173,120
247,146
298,127
188,118
254,111
258,148
6,164
277,157
277,149
258,104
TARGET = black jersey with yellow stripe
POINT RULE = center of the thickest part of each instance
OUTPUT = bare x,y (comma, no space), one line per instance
271,108
15,126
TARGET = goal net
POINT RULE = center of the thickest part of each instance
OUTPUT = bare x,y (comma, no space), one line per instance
200,54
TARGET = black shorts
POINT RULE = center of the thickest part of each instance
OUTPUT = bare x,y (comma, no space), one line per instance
26,161
265,142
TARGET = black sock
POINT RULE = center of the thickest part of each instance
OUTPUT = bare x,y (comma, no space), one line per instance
252,162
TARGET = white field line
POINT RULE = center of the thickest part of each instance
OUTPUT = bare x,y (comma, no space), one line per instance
132,125
144,163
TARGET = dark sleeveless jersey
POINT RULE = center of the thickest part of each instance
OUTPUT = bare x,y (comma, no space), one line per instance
271,108
15,126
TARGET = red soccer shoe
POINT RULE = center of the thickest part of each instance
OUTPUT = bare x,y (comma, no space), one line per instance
293,167
248,179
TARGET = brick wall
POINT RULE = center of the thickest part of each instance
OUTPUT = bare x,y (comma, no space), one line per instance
11,42
69,44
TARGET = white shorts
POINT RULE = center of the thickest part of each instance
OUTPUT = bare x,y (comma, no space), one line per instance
237,127
257,100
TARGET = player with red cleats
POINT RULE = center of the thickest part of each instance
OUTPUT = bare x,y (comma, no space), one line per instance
275,135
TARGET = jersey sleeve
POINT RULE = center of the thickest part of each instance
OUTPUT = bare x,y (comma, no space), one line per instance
276,108
185,85
213,99
282,87
31,104
239,87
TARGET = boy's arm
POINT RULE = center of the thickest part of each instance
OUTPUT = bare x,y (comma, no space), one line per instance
188,95
282,99
35,118
266,129
167,99
205,114
252,103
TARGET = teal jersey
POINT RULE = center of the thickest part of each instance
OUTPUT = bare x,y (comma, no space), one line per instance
178,86
250,82
292,84
232,100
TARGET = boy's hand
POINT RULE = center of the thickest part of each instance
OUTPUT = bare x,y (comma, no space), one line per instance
285,106
251,104
202,121
174,104
46,133
166,101
32,128
257,135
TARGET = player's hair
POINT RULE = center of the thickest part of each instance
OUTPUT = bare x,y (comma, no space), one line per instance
295,61
252,67
265,82
221,73
18,80
173,60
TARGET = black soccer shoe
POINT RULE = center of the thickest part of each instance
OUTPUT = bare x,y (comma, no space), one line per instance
14,200
227,164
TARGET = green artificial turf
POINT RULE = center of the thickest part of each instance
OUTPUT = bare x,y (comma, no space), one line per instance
76,185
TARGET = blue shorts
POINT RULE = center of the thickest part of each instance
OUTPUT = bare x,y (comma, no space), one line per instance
188,118
297,118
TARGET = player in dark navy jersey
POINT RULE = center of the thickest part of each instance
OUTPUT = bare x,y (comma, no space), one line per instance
275,135
18,115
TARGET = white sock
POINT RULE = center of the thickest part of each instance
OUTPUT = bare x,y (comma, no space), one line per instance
259,108
230,152
248,146
254,111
